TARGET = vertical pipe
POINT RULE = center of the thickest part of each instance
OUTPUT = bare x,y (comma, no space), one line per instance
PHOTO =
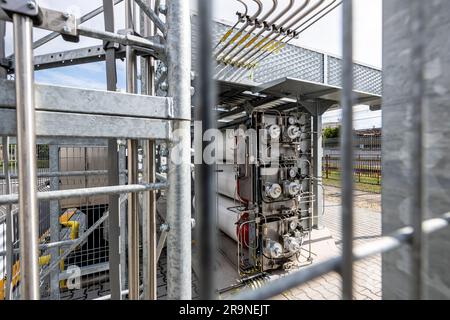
54,221
205,177
3,71
9,219
149,264
317,167
347,151
133,198
133,223
178,46
122,216
26,141
113,168
5,142
417,150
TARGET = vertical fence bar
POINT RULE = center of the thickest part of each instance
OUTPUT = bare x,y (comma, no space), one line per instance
417,152
149,264
122,216
206,183
5,143
26,141
133,198
9,220
3,71
54,220
179,272
347,151
133,223
113,166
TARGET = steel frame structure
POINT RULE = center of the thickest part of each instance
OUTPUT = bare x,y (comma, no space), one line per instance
31,112
157,119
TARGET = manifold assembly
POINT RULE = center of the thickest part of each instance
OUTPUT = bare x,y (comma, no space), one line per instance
259,33
265,197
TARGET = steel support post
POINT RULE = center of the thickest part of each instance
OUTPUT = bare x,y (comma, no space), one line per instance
133,223
54,220
149,263
3,71
113,166
317,169
347,151
206,179
5,143
123,217
9,220
418,121
26,138
133,199
178,50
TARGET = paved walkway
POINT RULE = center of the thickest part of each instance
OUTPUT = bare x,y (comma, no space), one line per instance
367,282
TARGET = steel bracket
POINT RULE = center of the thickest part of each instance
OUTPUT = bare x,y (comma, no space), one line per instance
25,7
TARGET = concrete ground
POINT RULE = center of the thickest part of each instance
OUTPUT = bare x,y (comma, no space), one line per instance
367,282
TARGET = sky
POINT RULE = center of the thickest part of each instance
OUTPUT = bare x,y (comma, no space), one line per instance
324,36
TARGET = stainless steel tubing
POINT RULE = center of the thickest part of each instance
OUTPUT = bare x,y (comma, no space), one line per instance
260,46
205,174
249,32
271,23
26,138
87,192
178,53
264,55
382,245
281,44
347,150
230,31
242,29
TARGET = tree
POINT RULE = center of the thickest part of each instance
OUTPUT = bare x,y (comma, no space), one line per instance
330,133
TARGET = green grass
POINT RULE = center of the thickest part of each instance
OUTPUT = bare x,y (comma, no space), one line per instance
367,184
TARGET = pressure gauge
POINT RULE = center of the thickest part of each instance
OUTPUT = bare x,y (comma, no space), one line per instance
292,188
273,190
293,225
293,172
292,120
274,131
293,132
274,249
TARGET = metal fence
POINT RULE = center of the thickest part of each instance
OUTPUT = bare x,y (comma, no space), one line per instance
149,119
367,164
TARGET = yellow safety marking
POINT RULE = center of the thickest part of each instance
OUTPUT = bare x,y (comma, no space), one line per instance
66,216
251,42
237,36
243,39
226,35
